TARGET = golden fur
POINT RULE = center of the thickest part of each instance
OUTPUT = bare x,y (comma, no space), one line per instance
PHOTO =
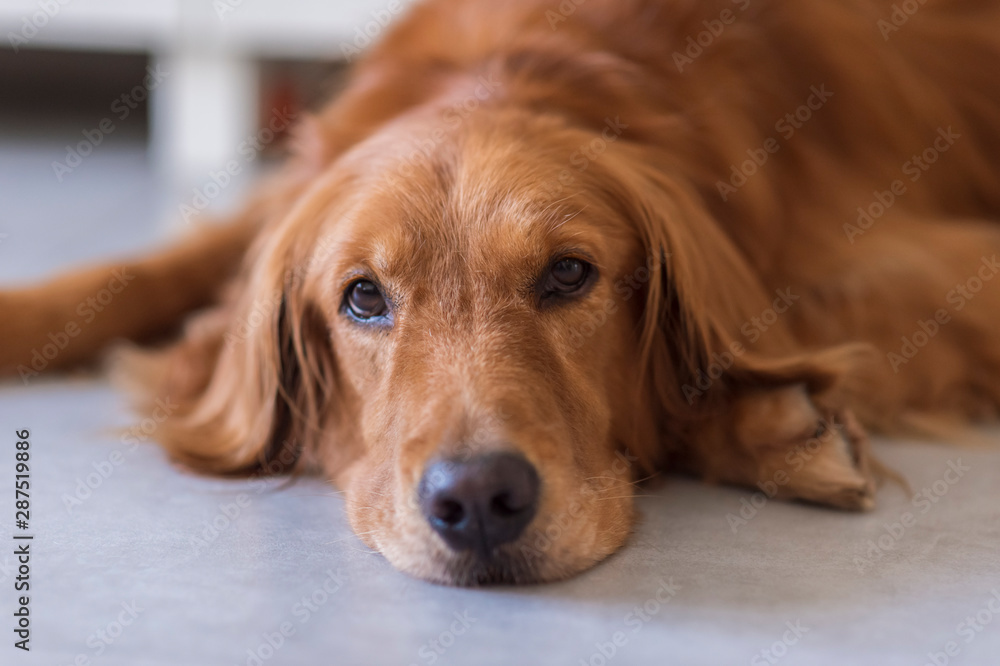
740,331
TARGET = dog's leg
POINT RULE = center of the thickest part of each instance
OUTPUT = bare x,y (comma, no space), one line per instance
790,445
71,318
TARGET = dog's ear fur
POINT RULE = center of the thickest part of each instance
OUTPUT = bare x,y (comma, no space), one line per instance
701,293
245,388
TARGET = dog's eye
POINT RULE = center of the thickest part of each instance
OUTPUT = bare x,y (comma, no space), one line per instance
569,273
567,276
364,300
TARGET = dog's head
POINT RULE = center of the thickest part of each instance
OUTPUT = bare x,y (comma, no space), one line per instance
481,328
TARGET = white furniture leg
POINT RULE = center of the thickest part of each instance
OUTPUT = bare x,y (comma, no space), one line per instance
200,119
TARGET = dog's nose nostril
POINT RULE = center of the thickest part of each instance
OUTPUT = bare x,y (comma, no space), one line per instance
481,503
501,505
448,511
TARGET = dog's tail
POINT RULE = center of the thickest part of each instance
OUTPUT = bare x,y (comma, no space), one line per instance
72,318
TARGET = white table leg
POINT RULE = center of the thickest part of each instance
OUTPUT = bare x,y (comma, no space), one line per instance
200,118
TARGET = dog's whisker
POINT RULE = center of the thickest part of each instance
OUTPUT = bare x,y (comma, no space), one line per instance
613,479
353,535
366,551
606,497
331,494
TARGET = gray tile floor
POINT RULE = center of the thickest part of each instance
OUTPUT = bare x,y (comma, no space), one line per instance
127,571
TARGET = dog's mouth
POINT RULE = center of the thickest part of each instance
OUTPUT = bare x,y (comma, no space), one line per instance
503,566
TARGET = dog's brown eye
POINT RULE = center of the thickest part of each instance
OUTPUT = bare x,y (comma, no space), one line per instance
365,301
567,276
569,272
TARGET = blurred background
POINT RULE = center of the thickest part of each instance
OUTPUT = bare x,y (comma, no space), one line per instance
122,120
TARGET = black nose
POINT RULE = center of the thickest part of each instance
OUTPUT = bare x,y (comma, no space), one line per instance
480,503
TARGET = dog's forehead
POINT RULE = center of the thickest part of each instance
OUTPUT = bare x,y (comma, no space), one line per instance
480,211
486,204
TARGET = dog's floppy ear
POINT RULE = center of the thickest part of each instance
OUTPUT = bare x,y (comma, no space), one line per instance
245,389
701,295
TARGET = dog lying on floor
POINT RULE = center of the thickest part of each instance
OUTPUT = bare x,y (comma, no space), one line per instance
538,251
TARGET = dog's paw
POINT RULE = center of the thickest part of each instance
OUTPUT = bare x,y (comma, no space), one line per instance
798,448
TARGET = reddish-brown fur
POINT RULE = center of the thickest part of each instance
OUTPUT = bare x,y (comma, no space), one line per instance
451,169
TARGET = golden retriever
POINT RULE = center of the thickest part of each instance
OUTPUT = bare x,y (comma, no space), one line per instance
538,251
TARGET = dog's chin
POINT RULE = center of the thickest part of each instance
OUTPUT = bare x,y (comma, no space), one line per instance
500,568
518,563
